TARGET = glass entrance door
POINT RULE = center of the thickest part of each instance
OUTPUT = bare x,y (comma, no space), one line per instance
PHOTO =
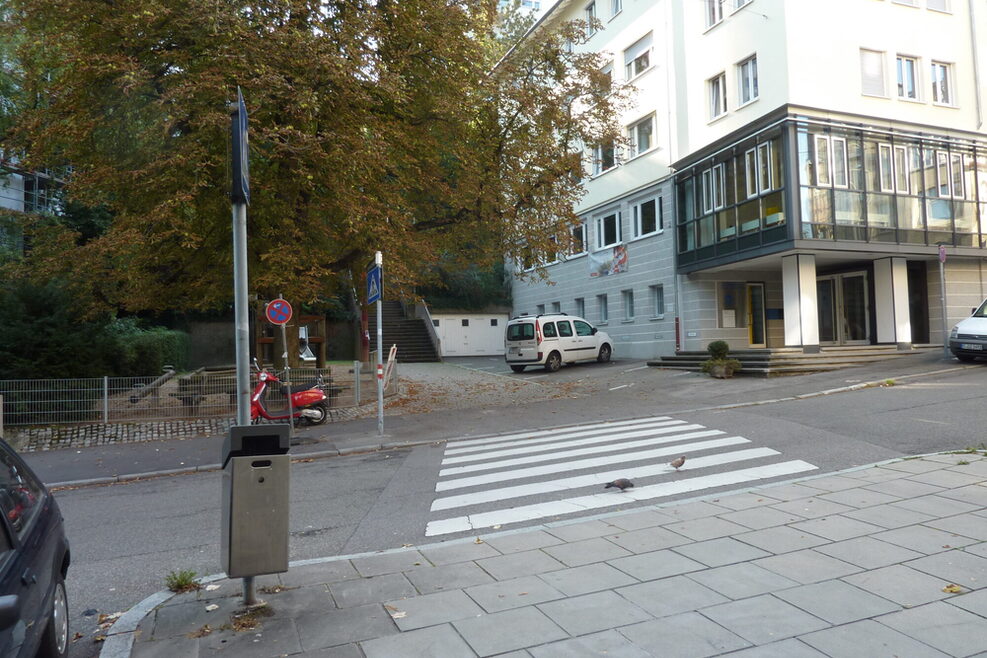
755,315
843,309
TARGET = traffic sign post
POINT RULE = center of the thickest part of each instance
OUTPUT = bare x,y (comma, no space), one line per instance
278,312
375,285
942,300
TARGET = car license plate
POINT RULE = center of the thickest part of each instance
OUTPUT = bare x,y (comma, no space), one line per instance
516,350
971,346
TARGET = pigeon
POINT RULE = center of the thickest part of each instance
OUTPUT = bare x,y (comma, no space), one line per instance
620,483
677,463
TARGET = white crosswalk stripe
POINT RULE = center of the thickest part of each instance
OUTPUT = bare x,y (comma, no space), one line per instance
582,459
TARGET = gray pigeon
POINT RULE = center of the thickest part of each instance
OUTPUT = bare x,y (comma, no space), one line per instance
620,483
677,463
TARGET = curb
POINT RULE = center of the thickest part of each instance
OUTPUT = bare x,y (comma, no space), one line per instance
121,635
372,447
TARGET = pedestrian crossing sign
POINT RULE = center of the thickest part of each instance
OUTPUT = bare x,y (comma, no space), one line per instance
373,284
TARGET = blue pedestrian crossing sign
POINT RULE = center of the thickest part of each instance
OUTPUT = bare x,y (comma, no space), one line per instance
373,284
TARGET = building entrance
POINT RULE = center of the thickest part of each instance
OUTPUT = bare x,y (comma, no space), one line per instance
844,317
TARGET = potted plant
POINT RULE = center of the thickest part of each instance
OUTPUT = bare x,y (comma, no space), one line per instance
718,365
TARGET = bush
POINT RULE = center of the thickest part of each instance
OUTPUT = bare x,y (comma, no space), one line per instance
147,351
718,349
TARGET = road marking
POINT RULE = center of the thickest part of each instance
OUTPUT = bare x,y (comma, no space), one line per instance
638,368
616,388
542,445
560,467
454,446
609,499
598,479
533,459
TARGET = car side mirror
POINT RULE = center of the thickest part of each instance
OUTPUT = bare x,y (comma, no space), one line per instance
593,332
10,611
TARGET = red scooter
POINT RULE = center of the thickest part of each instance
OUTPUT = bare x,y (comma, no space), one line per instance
308,401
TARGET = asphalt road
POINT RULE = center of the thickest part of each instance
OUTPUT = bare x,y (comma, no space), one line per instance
127,537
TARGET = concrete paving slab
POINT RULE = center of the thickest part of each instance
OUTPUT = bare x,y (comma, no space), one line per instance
860,497
758,518
342,651
433,642
639,520
324,572
396,562
901,584
579,531
961,567
924,539
973,494
947,478
174,620
647,539
448,577
811,508
889,516
522,541
763,619
693,510
529,627
689,635
975,601
671,596
781,539
655,565
966,525
950,629
719,552
936,506
459,552
608,643
918,465
516,593
867,552
788,492
837,528
330,628
167,648
515,565
586,579
790,648
432,609
868,638
591,613
739,581
705,528
376,589
274,637
586,551
833,483
745,500
289,603
808,566
837,602
906,488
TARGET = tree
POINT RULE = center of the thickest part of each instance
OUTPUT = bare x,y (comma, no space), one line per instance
375,124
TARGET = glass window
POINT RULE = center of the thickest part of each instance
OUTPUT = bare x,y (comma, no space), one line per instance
20,494
582,328
714,12
840,176
750,169
641,135
637,58
580,306
578,240
628,296
548,330
601,303
942,173
748,80
658,300
717,89
901,169
541,309
714,192
590,12
616,6
907,77
435,323
938,5
822,160
942,88
872,73
956,166
466,323
565,329
605,157
765,173
521,331
607,230
556,307
493,322
647,217
887,169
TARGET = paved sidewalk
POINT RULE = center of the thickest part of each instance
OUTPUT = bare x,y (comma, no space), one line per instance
885,560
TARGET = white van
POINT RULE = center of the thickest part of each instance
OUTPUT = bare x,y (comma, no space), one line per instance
968,339
553,339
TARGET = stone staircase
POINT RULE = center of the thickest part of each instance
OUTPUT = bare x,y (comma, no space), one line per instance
410,334
792,361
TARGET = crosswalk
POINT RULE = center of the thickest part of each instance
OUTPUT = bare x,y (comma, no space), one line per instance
491,482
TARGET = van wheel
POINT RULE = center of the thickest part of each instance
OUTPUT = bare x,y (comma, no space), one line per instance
55,640
604,353
517,368
553,362
966,358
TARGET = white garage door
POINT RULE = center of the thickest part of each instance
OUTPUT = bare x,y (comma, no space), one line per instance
470,335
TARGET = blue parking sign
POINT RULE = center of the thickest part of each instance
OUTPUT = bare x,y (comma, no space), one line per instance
373,285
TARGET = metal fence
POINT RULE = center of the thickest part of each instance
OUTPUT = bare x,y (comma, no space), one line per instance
171,396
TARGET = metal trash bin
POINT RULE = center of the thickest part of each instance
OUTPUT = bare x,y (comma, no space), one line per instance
256,470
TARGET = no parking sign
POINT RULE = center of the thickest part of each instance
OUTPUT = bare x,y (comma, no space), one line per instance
278,311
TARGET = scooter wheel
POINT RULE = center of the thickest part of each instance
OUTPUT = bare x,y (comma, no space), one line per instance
323,409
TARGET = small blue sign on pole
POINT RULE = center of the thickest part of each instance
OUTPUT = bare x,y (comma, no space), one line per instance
373,284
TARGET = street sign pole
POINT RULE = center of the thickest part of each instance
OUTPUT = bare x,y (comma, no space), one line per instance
378,261
287,380
942,299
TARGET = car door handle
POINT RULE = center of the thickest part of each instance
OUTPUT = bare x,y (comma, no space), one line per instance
29,577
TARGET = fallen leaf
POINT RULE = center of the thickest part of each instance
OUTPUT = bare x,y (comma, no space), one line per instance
497,527
77,636
478,541
952,588
211,607
399,615
210,588
390,607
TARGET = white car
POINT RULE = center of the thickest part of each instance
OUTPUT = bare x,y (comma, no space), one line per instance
553,339
968,339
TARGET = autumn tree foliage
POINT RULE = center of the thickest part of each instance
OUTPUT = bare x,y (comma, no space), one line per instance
374,124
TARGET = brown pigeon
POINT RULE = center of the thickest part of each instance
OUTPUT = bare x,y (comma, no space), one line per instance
620,483
677,463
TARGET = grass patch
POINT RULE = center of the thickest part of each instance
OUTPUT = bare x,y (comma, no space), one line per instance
274,589
182,581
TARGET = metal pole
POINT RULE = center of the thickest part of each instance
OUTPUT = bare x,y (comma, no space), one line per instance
287,383
380,369
240,305
356,383
106,399
942,299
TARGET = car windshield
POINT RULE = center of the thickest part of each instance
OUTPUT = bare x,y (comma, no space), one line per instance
521,331
981,312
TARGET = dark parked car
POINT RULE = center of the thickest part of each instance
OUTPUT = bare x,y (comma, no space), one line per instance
34,558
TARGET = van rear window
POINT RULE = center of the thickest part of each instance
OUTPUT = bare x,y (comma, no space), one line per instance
523,331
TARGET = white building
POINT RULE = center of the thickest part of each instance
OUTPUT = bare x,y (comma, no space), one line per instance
808,167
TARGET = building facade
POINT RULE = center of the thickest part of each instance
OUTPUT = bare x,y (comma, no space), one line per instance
813,170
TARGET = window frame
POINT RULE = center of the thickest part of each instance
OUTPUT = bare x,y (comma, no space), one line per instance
627,301
581,229
601,230
712,13
657,293
616,6
603,309
881,59
598,157
636,215
716,95
645,44
916,83
589,14
713,188
632,133
946,68
747,84
580,304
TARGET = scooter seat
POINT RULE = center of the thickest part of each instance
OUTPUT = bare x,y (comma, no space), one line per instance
298,388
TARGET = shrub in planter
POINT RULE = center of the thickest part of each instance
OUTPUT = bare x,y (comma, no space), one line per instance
718,364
